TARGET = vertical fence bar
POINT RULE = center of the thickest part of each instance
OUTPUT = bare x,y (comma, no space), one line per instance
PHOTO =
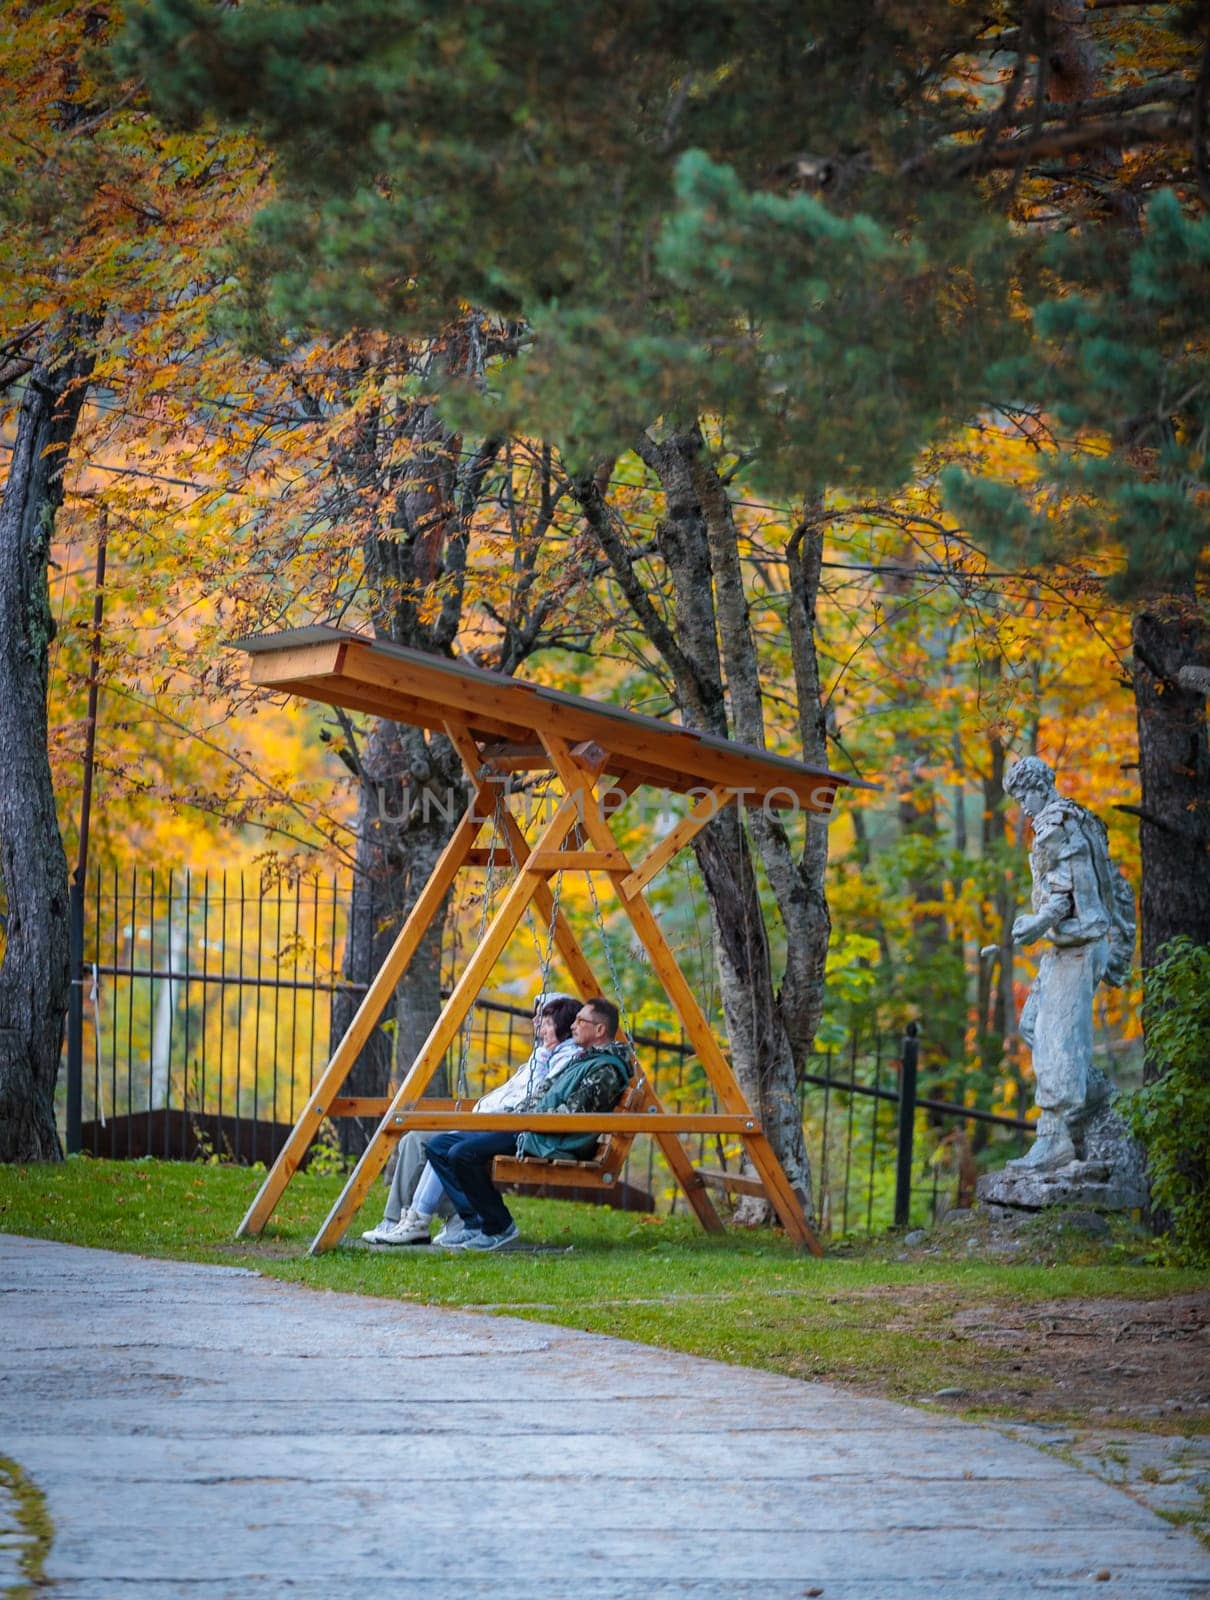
908,1064
874,1105
332,969
825,1205
188,958
222,998
98,1084
113,1008
134,901
169,967
260,946
75,1015
201,1075
150,998
297,947
239,1026
848,1134
276,1008
314,995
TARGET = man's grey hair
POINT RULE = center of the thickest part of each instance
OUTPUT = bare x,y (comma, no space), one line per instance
1028,773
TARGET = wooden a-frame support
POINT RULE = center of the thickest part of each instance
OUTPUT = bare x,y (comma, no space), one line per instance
578,771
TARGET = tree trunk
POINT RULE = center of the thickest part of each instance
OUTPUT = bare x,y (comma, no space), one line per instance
35,975
1174,771
710,636
421,541
409,796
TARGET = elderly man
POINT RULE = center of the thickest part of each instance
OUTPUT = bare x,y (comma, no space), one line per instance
593,1080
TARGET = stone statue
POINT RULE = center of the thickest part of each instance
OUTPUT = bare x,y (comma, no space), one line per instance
1083,905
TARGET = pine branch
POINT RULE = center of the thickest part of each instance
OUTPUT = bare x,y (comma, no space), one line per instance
1161,127
1171,89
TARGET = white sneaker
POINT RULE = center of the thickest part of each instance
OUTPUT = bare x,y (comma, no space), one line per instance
377,1234
453,1230
474,1239
411,1228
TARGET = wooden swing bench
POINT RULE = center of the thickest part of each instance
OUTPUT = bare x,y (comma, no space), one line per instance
601,1170
598,755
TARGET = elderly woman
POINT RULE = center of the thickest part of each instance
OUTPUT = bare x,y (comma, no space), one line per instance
416,1194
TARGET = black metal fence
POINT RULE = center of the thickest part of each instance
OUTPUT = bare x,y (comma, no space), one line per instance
206,1017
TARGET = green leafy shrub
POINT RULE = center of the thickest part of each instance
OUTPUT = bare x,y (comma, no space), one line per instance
326,1158
1172,1116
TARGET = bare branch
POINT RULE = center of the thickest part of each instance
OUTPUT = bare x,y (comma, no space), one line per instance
600,520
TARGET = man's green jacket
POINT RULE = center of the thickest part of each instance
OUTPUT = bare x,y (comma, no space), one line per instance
592,1081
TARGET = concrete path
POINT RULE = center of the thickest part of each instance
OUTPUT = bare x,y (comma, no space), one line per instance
203,1432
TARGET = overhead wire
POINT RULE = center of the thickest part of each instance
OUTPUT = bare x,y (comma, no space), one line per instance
646,520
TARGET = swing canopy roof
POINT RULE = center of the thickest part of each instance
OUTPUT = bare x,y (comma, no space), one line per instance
507,717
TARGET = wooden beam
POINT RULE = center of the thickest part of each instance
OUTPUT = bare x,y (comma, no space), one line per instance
403,1119
675,840
359,1105
733,1182
317,670
481,856
782,1197
504,755
272,667
577,861
681,1167
480,701
694,1189
486,701
364,1021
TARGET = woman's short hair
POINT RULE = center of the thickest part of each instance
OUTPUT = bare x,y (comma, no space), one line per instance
562,1012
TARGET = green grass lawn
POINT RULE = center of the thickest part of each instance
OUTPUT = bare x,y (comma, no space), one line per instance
860,1317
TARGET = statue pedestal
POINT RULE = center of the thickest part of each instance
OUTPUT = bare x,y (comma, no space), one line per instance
1111,1176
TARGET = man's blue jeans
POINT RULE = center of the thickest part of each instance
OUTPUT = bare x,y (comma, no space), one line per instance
463,1162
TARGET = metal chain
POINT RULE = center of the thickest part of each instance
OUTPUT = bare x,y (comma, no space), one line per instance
613,971
545,957
468,1022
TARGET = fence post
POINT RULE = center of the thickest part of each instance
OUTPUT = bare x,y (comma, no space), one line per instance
907,1125
75,1017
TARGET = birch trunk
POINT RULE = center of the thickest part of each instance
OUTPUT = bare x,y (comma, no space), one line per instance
710,643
